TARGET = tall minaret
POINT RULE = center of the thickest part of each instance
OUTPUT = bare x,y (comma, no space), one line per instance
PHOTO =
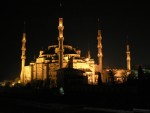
128,58
99,46
60,42
23,56
60,37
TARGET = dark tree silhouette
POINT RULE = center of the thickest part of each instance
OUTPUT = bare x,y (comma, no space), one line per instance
140,73
132,79
99,79
111,76
140,80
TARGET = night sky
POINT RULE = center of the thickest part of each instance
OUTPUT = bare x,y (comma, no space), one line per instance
118,20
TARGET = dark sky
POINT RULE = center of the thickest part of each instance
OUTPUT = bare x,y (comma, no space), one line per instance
118,19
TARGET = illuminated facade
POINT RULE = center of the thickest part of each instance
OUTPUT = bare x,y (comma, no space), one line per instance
61,55
128,59
100,55
23,58
58,55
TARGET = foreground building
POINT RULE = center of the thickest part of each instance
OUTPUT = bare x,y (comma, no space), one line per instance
61,55
58,55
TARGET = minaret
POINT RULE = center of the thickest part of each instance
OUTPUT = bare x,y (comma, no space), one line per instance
60,42
60,38
99,46
89,55
128,58
23,56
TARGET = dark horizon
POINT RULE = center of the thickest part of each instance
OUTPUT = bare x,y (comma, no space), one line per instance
118,19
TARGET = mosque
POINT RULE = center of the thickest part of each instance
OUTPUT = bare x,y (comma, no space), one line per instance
61,55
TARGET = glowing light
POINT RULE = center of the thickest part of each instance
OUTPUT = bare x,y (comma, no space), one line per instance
60,22
19,81
87,59
61,91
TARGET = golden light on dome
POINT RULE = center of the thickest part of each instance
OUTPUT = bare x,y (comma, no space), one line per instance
87,59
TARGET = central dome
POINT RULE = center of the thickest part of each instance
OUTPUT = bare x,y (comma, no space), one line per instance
68,49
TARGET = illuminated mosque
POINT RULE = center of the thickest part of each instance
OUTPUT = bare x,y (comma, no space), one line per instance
61,56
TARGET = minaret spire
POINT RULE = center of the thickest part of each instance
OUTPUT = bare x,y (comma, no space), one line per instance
128,57
60,38
60,42
89,54
99,46
23,56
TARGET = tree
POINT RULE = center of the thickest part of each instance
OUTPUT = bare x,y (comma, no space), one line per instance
99,79
111,76
140,73
140,80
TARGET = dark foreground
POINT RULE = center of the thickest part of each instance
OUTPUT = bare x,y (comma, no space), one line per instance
93,100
